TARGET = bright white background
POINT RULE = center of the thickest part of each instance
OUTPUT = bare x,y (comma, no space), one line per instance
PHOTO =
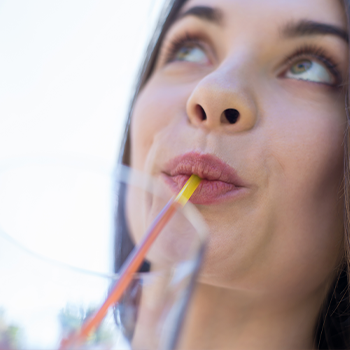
67,71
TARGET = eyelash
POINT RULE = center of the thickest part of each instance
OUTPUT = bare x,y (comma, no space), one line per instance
318,53
306,51
175,44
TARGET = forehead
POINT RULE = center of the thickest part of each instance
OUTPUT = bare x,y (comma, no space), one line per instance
276,11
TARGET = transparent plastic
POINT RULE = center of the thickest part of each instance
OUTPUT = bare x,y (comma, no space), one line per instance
61,225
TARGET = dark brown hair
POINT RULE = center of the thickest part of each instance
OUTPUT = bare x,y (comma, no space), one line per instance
333,328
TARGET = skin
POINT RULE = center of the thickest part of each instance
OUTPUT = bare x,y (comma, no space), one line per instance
274,252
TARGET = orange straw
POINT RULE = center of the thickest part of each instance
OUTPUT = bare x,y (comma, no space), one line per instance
133,263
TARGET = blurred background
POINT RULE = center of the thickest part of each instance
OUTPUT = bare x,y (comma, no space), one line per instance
67,72
67,69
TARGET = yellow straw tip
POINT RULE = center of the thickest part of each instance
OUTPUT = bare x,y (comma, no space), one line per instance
188,189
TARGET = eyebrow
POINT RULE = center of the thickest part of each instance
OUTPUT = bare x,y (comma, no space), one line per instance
206,13
307,28
291,30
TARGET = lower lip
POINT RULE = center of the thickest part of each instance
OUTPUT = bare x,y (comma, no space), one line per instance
208,192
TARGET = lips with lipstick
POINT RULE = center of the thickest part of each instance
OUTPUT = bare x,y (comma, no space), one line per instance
220,182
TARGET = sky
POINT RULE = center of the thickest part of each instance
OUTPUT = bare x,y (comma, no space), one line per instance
67,71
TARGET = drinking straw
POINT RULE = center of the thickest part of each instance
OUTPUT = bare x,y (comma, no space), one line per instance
134,261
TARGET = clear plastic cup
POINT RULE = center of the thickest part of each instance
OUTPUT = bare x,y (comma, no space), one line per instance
65,227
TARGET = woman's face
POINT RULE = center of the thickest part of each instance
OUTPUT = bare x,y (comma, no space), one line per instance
247,94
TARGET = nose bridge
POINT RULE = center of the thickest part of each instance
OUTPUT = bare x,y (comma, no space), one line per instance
225,97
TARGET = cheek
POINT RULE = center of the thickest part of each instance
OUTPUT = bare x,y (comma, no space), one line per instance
305,163
155,111
308,145
295,155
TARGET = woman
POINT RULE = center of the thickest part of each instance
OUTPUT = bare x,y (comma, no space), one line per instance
250,96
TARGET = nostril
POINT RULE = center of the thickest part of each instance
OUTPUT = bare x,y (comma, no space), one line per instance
231,115
201,112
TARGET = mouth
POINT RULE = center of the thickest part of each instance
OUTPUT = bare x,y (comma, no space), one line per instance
220,181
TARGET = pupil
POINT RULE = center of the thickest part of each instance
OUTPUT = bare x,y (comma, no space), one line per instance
184,52
301,67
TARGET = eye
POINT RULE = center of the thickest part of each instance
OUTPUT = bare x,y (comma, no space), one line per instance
185,48
191,54
310,70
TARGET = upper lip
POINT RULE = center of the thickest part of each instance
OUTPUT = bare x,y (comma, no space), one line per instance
206,166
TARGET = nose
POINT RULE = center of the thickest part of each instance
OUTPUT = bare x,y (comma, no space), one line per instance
223,99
